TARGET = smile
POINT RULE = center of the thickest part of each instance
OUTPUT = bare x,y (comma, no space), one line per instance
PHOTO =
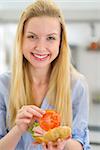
40,57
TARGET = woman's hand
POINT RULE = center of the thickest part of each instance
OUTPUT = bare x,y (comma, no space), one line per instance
38,131
59,145
25,116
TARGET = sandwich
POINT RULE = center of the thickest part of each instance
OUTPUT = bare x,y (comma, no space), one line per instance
50,124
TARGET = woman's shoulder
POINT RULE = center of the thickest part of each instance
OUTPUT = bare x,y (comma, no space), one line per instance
77,79
5,76
5,81
79,88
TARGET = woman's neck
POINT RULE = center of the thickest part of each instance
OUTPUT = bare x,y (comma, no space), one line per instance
40,76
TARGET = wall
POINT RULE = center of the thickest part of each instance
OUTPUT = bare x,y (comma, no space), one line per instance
79,35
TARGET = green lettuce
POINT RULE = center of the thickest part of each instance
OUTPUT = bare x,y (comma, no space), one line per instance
30,129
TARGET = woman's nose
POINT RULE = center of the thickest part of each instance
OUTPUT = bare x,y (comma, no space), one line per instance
40,45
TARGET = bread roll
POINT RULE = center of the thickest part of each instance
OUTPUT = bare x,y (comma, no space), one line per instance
62,132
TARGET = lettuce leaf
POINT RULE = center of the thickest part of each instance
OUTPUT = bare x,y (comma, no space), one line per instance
30,129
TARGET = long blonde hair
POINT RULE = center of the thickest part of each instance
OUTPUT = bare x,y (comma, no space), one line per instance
59,85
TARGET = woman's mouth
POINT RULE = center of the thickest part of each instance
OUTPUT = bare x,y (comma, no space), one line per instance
39,57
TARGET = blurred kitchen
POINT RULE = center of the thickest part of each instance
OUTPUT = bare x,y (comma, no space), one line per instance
83,27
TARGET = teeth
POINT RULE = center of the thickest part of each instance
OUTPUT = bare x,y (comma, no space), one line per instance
40,56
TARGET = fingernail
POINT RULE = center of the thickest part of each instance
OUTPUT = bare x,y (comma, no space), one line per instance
50,143
43,111
43,144
40,115
59,139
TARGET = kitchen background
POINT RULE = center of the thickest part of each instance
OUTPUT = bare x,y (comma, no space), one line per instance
83,27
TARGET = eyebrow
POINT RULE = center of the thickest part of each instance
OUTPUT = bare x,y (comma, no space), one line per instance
32,33
47,34
52,34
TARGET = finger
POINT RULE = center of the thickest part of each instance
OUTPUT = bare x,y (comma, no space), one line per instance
59,141
39,130
44,146
35,111
50,145
35,108
38,109
61,144
37,134
30,110
24,113
21,121
35,143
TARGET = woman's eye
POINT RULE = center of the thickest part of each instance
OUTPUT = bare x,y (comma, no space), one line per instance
31,37
51,38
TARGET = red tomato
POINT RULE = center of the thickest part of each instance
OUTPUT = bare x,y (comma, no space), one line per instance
49,120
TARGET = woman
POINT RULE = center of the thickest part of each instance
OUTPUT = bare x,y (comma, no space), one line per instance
42,78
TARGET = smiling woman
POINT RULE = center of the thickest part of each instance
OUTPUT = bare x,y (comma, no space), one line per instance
42,78
41,42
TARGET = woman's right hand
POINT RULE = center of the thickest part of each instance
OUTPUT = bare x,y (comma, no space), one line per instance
25,116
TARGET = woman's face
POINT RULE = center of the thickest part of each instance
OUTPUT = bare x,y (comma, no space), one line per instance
41,41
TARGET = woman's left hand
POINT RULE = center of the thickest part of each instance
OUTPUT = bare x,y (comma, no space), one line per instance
59,145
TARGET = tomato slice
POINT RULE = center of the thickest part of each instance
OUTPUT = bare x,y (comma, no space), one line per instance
49,120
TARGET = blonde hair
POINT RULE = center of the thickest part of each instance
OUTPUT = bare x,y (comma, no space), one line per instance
59,85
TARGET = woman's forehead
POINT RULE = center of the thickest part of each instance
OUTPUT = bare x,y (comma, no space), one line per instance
43,24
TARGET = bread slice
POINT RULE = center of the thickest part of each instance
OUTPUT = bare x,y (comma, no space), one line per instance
62,132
